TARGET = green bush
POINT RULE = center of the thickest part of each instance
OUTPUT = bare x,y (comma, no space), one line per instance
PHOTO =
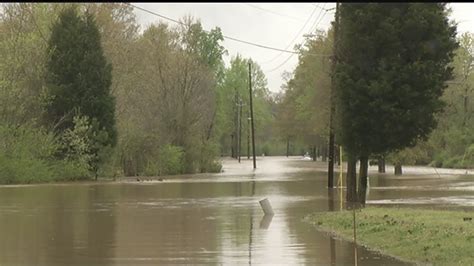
170,160
70,170
110,166
215,167
27,156
24,155
451,162
207,158
167,161
24,170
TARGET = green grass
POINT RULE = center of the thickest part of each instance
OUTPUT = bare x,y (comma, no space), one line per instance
424,236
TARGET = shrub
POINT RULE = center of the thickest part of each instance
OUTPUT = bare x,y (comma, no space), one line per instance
24,154
27,156
170,160
207,158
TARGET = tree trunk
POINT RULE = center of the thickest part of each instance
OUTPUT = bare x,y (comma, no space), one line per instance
363,179
331,161
314,153
331,200
398,169
338,157
232,146
248,139
324,153
351,179
381,164
287,147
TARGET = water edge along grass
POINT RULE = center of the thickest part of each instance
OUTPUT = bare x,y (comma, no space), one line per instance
440,237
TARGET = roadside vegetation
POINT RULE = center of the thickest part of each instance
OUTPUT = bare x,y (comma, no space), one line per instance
425,236
86,93
303,108
107,98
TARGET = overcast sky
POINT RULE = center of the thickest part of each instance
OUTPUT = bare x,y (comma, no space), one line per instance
270,24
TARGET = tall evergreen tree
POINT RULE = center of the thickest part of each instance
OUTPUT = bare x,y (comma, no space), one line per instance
79,78
392,68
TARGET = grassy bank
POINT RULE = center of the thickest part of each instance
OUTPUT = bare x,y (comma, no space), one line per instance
433,236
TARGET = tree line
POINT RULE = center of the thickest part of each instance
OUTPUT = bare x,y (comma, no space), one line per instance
402,84
85,92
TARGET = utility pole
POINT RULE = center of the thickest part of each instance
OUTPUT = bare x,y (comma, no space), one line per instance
239,115
333,104
251,116
232,145
248,135
235,142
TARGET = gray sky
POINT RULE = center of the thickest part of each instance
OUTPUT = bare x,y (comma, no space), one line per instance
270,24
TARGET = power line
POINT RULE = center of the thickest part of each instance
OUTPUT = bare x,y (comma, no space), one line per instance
325,9
273,12
226,37
287,59
296,36
284,62
315,26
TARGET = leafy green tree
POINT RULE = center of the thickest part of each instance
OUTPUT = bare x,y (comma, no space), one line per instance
171,100
79,79
235,86
417,155
393,61
24,28
453,140
305,113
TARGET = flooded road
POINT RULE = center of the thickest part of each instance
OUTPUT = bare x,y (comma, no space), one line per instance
205,219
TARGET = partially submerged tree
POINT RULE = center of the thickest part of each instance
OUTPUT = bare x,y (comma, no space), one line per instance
452,141
305,106
393,61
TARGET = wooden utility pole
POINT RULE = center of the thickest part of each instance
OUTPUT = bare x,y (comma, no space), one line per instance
333,104
248,135
235,135
251,116
232,145
239,114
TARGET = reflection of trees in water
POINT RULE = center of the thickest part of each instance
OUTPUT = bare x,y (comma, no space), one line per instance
380,180
170,222
81,233
101,225
332,242
55,225
251,223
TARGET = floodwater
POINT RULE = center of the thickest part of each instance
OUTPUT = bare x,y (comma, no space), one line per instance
205,219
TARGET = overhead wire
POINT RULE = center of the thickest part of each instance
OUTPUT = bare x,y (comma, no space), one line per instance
315,25
296,36
325,9
225,36
273,12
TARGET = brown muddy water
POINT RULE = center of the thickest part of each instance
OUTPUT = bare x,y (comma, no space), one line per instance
206,219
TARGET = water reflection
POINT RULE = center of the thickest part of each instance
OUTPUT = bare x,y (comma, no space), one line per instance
332,242
201,219
251,222
55,227
266,220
